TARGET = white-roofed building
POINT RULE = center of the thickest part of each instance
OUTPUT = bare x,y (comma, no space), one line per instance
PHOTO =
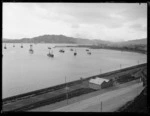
97,82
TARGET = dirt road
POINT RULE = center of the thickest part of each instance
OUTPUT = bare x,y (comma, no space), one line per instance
111,100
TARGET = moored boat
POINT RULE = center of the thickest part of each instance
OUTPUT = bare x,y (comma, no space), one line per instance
61,51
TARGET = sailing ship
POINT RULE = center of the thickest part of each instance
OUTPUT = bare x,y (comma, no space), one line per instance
21,46
71,49
61,51
31,50
5,47
13,45
75,53
50,54
89,53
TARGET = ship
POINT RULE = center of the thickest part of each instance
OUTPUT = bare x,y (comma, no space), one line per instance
50,54
5,47
31,50
75,53
61,51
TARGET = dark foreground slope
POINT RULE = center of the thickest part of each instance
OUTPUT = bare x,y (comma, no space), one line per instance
57,93
139,104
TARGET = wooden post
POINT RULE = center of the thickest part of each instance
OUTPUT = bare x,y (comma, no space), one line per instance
67,97
81,86
137,91
101,106
66,90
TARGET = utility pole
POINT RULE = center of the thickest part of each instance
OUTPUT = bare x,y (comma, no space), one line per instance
81,79
66,90
101,106
120,66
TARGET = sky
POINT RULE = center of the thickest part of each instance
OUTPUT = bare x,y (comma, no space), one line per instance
104,21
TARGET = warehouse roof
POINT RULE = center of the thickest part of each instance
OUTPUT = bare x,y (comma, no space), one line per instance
98,80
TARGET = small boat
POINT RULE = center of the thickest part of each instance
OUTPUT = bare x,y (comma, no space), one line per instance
5,47
31,50
21,45
13,45
61,51
75,53
87,49
89,53
50,54
71,49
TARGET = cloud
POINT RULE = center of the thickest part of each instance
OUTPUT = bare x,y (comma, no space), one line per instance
86,20
138,27
75,26
82,14
135,12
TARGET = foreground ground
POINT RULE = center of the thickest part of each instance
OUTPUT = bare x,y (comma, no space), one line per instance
139,104
106,102
37,101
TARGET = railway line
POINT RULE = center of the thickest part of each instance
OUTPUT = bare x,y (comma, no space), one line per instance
57,93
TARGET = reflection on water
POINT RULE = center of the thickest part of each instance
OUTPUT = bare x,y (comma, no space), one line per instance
24,72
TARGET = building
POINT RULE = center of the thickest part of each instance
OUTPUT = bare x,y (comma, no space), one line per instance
97,82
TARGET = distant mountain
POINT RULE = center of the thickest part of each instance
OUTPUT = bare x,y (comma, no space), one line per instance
134,42
72,40
138,44
56,39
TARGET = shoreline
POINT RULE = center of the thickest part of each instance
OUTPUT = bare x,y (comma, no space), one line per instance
110,48
89,46
55,94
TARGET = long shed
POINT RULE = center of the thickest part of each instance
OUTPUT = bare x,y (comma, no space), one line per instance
97,82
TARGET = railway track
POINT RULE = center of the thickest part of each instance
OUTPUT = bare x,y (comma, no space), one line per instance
29,95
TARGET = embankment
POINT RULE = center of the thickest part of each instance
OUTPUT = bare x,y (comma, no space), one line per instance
57,87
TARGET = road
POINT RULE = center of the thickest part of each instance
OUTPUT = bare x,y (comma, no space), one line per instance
47,95
111,100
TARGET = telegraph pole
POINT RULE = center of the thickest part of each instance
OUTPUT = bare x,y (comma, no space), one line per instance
66,90
81,79
101,106
120,66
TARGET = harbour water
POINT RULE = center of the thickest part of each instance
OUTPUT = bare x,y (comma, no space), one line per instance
24,72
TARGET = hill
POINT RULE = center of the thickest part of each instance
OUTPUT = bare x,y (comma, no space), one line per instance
133,42
72,40
56,39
